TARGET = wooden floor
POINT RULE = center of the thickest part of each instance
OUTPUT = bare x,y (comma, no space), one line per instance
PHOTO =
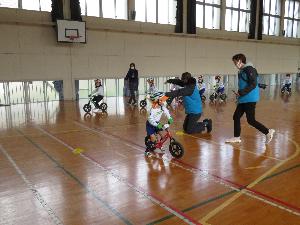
60,166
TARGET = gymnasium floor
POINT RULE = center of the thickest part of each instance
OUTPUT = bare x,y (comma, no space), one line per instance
60,166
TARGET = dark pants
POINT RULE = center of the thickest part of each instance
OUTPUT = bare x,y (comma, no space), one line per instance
132,96
97,99
191,124
249,109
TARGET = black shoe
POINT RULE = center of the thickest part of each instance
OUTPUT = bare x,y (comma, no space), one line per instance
208,125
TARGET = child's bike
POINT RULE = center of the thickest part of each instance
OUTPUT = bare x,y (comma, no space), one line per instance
217,95
286,90
88,107
175,148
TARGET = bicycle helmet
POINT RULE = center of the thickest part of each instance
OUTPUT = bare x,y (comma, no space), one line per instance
156,96
150,79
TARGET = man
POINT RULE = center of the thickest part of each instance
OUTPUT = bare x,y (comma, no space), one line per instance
247,96
192,104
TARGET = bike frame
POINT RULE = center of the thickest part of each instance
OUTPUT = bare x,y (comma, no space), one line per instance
167,136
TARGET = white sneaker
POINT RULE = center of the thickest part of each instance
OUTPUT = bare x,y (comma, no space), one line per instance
233,140
269,136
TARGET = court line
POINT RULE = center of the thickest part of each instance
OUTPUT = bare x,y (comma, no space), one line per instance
179,133
222,195
87,188
32,188
209,176
153,198
233,198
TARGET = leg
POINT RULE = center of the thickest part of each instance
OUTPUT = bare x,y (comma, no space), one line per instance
237,120
193,126
186,121
132,96
250,114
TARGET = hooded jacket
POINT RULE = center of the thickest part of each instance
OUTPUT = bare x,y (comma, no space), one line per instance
191,97
248,84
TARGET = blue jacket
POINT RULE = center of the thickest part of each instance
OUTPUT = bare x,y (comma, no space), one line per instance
191,97
248,84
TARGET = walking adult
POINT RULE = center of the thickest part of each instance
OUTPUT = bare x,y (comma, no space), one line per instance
133,80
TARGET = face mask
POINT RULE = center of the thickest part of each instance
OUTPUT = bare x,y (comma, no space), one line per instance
132,67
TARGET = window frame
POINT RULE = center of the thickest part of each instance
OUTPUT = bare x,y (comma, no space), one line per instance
213,5
288,19
276,17
239,10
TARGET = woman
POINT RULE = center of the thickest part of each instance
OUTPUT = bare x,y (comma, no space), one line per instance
133,79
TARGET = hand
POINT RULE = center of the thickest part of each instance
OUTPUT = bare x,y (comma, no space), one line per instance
170,121
159,126
89,95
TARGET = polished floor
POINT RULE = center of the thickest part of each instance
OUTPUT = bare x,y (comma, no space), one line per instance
59,165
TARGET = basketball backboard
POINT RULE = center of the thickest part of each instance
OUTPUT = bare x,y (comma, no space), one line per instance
71,31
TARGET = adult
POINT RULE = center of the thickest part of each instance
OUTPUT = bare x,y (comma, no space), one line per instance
133,80
192,104
247,97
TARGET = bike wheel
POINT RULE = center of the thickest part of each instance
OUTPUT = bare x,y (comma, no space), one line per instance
103,106
176,149
212,97
143,103
203,98
223,96
87,108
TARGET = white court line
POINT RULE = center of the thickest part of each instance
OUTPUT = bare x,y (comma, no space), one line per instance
32,188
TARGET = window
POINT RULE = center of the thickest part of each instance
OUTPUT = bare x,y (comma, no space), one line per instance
292,19
237,15
156,11
37,5
9,3
114,9
208,14
271,17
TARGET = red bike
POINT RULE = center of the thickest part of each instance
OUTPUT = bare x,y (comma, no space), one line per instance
175,148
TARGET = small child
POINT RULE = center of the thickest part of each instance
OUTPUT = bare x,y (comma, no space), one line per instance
201,85
219,87
287,83
152,89
97,93
153,124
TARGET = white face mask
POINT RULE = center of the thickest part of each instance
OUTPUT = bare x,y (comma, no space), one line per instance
132,67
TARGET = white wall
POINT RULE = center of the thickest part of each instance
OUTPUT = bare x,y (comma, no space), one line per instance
29,51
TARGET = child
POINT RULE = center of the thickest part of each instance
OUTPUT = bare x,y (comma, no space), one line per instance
287,83
201,85
153,125
219,87
152,89
97,93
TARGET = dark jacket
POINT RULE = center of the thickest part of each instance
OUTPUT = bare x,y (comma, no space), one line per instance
133,79
190,93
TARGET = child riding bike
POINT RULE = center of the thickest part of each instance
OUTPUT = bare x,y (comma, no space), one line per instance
97,93
153,125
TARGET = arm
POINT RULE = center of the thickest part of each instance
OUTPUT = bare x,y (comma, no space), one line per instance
186,91
127,75
251,81
94,91
175,81
166,112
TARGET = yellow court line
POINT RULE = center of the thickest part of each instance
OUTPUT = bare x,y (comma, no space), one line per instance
242,150
236,196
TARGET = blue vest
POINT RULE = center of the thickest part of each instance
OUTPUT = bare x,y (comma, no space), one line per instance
193,103
252,96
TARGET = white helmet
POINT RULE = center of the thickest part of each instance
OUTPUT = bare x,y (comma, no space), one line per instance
150,79
156,96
